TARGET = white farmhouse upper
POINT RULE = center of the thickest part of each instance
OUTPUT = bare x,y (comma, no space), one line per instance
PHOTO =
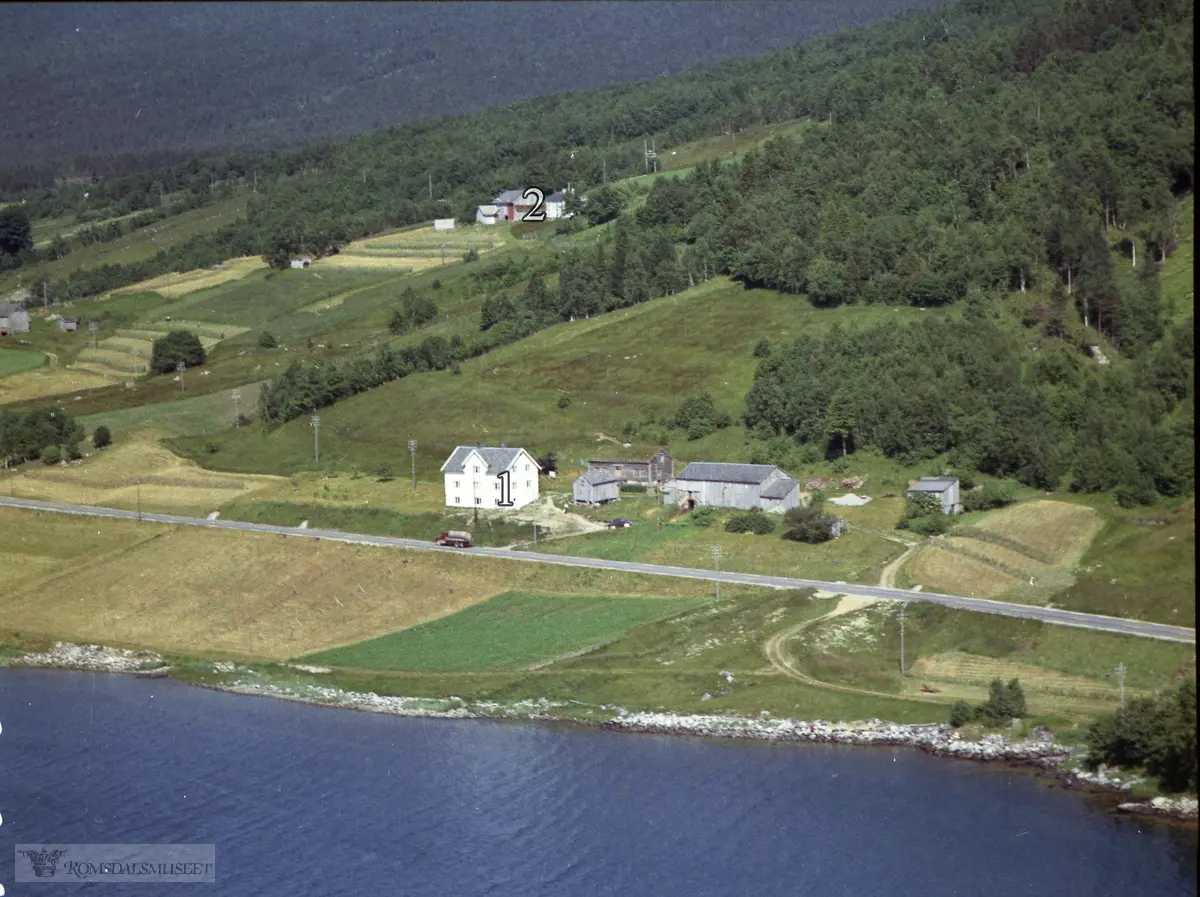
485,477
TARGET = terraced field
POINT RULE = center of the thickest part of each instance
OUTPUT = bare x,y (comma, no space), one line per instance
175,285
416,250
127,353
1025,552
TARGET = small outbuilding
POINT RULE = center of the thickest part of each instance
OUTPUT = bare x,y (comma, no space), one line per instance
71,324
303,261
945,488
487,214
596,487
443,224
13,318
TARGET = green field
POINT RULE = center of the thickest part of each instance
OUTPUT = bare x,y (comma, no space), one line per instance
183,417
507,632
14,360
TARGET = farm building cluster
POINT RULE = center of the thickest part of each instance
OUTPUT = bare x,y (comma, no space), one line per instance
515,205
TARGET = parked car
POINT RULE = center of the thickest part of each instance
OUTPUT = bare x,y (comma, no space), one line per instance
619,523
454,539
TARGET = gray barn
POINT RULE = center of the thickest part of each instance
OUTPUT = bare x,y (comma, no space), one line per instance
654,472
744,486
945,488
596,487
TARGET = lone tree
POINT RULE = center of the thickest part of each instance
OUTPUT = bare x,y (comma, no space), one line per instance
101,437
176,346
809,524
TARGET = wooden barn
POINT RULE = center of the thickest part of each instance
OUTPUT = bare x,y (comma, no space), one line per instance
596,487
742,486
654,472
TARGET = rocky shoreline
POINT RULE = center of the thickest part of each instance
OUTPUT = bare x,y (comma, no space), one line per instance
938,739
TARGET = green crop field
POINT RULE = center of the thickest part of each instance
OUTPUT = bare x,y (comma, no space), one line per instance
184,417
15,360
509,631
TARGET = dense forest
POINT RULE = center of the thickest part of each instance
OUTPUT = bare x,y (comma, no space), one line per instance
109,89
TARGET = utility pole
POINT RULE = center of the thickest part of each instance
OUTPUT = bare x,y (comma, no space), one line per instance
902,640
133,354
180,366
139,500
93,327
315,423
431,186
412,454
716,556
535,532
1121,671
237,398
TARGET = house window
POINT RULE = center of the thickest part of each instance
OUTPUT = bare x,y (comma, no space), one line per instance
478,501
475,468
457,500
528,483
456,484
497,485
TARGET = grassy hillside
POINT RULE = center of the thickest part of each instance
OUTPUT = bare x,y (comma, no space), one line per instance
616,368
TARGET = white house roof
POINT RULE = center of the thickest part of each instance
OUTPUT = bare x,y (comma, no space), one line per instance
933,484
497,459
710,472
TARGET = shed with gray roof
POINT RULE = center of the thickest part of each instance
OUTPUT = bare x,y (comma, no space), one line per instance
743,486
945,488
596,487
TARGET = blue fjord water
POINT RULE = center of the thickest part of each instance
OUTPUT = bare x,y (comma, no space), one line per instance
309,800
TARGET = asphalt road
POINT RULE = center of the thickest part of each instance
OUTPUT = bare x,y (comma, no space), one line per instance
1095,622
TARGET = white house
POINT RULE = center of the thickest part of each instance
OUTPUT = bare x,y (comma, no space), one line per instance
488,478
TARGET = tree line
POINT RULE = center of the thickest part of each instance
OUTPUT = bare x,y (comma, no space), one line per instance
973,392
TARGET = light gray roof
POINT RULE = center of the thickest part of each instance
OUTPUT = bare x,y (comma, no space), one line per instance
711,472
780,488
497,459
596,478
7,308
513,196
933,484
557,196
489,209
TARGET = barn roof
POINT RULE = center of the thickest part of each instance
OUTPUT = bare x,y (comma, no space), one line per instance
489,209
597,478
713,472
497,459
933,484
780,488
513,196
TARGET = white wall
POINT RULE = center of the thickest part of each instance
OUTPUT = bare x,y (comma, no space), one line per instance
462,489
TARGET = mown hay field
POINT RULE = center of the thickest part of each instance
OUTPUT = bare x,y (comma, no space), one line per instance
184,417
1061,529
47,382
17,360
416,249
212,591
506,632
135,472
173,285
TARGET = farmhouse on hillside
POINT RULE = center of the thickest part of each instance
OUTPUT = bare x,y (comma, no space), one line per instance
13,319
484,477
742,486
945,488
513,205
654,472
596,487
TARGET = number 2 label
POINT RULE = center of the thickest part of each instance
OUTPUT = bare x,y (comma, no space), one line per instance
538,212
